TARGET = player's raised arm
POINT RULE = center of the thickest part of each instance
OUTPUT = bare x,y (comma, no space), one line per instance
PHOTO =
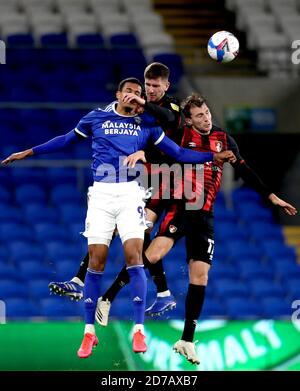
54,145
185,155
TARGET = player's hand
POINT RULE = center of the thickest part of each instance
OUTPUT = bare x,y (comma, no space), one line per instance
288,208
225,156
132,159
17,156
133,98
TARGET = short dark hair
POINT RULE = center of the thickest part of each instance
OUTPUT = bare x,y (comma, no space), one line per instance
156,70
194,100
133,80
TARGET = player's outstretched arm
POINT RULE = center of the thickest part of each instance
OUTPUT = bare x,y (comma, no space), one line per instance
185,155
53,145
288,208
18,156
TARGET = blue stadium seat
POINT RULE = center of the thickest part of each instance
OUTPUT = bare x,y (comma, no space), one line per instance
213,308
39,213
250,212
20,40
222,270
292,285
89,40
238,308
265,287
8,270
241,248
250,270
59,250
10,288
23,249
275,248
225,215
66,193
73,212
54,40
36,270
66,269
14,231
23,175
60,308
38,288
30,193
4,194
286,270
75,229
226,287
245,194
9,214
3,253
265,230
21,308
274,307
47,231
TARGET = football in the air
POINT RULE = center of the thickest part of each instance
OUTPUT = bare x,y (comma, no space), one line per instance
223,46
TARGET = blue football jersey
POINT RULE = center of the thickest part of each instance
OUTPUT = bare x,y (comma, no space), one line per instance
115,136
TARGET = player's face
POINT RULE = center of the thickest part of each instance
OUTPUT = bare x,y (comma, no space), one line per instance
156,88
133,88
200,118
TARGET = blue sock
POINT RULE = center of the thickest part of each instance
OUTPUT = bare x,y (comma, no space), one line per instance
91,293
138,287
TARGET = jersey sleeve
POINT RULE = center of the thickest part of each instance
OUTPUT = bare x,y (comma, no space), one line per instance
232,146
84,126
157,134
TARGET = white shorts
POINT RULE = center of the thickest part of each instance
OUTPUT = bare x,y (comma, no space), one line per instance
115,205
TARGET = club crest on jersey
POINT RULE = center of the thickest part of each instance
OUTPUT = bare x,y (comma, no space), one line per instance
192,144
138,120
218,146
172,229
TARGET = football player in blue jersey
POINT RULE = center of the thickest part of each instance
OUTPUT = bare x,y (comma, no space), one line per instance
115,199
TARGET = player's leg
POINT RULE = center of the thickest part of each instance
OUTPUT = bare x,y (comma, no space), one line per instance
98,255
122,279
131,226
100,208
200,246
170,231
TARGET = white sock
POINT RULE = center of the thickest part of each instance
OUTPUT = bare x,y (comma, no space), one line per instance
77,281
164,294
138,327
89,328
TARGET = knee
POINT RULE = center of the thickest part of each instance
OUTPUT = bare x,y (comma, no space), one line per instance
199,279
134,258
96,261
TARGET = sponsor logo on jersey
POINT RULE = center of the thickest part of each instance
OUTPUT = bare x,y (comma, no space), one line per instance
192,144
172,229
122,128
218,146
174,106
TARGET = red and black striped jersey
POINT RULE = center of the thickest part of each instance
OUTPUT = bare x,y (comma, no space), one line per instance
216,141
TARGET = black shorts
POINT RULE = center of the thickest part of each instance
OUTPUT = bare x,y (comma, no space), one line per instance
198,228
172,225
199,235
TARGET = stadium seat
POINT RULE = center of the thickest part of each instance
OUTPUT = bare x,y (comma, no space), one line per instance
19,249
59,250
265,287
238,308
4,195
66,269
292,285
14,231
36,270
21,308
250,270
245,194
38,288
226,287
273,248
213,308
60,308
274,307
8,270
40,214
9,288
223,271
66,194
240,248
47,232
286,270
265,230
9,214
30,193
